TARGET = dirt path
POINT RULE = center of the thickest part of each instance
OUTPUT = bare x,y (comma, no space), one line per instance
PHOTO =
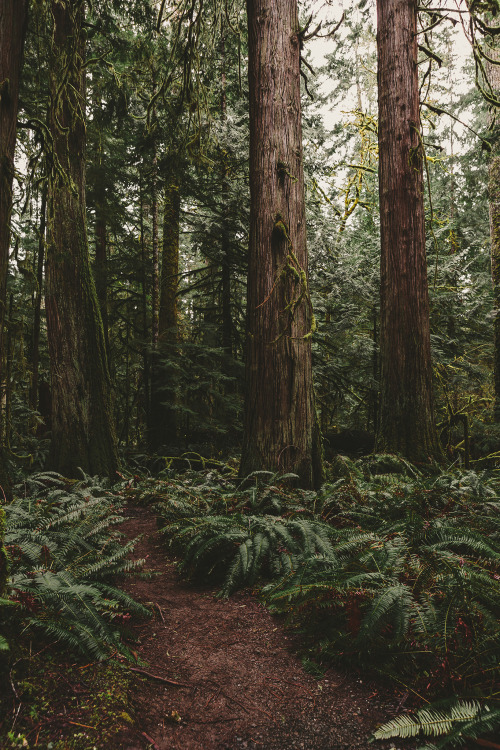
242,686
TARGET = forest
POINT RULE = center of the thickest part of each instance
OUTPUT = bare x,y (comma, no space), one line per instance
249,374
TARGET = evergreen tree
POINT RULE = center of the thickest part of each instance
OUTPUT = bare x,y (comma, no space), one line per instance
406,421
281,431
82,422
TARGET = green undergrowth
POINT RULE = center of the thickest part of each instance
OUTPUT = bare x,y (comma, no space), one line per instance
66,557
63,621
63,703
385,568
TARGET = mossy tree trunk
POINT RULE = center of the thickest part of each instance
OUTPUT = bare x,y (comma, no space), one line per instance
406,418
13,22
281,431
163,421
82,424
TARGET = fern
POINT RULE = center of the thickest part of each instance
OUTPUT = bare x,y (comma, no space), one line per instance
65,553
456,722
386,566
428,721
239,548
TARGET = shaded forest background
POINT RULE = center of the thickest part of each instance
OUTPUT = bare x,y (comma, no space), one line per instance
168,216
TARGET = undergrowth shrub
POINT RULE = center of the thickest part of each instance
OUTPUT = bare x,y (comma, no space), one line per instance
65,555
234,532
385,567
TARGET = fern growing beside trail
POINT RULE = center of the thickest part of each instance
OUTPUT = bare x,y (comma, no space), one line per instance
413,583
238,549
65,553
398,573
454,721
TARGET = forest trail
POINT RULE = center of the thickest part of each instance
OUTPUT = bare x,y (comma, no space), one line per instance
241,684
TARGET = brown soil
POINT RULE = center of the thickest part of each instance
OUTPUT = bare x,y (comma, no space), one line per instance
242,684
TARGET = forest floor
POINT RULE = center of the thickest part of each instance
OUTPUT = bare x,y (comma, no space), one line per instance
211,674
241,682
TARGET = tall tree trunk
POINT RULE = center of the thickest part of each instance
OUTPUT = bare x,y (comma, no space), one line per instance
163,423
82,425
168,323
156,253
144,305
101,264
494,190
13,22
35,336
227,320
281,431
406,418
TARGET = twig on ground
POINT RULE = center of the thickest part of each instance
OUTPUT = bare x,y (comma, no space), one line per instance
214,721
151,741
214,695
157,677
160,612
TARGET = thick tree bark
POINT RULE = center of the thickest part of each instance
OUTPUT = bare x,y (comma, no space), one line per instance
163,422
82,425
406,418
281,431
13,22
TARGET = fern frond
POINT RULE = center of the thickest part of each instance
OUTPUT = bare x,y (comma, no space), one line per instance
428,721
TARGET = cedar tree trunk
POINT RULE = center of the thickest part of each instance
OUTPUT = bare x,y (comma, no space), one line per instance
82,427
281,431
406,419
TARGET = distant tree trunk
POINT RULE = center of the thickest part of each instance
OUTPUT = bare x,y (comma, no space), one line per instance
406,417
13,22
4,569
168,323
494,190
35,337
9,358
144,305
101,264
281,431
82,426
227,320
156,254
163,423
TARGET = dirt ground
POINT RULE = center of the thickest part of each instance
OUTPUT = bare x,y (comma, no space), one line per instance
240,684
